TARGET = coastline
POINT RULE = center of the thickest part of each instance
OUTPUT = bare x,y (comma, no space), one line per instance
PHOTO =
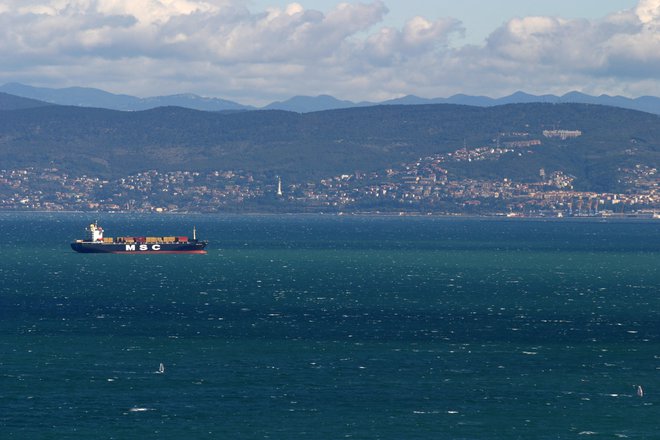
357,214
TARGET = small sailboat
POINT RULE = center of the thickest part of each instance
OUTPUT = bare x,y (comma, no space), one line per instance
161,368
640,391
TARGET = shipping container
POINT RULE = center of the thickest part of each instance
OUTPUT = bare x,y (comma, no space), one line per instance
182,239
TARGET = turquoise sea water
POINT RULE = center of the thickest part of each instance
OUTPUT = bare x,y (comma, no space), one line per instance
320,327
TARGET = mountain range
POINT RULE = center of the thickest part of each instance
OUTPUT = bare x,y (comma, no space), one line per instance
300,146
90,97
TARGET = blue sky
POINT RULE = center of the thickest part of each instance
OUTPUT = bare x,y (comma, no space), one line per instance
259,51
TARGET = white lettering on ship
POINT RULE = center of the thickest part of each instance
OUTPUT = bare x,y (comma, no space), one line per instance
142,247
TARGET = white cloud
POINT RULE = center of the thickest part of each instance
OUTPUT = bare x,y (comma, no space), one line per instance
154,11
648,11
144,11
625,44
221,48
418,36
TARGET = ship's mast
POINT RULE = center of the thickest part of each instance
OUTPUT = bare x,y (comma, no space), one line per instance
194,233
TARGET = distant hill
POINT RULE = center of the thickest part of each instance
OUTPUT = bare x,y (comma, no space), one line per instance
11,102
307,104
89,97
648,104
329,143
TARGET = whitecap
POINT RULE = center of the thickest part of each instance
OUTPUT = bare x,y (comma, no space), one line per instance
140,409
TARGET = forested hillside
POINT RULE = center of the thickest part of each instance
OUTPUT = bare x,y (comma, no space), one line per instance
113,143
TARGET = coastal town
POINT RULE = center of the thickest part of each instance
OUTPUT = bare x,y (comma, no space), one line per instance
421,187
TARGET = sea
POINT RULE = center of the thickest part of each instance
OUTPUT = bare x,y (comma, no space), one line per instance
331,327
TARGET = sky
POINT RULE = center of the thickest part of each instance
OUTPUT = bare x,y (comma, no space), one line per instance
258,51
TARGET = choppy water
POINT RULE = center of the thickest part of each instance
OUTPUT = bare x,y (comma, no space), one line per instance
331,327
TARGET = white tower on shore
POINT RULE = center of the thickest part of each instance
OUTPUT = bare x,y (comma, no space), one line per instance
279,187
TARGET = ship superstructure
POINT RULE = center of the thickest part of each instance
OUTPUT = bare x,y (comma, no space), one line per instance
95,242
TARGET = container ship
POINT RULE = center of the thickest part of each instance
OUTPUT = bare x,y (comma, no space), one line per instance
94,242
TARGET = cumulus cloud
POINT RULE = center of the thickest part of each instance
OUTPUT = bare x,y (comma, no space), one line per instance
623,45
648,11
221,48
418,36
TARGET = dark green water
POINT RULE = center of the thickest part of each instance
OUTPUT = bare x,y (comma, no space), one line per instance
329,327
